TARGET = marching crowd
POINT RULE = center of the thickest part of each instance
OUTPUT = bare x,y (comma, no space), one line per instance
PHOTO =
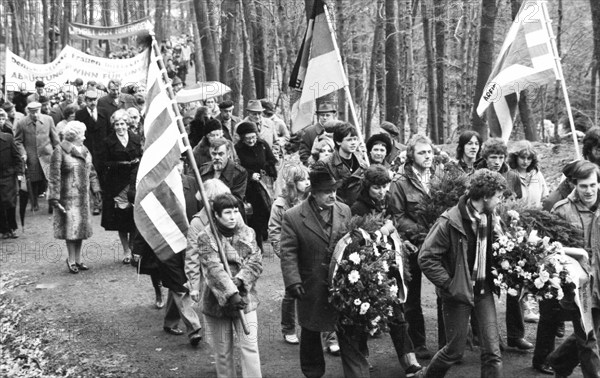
298,193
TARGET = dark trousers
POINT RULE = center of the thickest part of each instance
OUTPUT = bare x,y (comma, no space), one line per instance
399,334
312,361
551,316
354,349
288,314
442,329
515,325
179,307
8,218
413,310
577,348
456,319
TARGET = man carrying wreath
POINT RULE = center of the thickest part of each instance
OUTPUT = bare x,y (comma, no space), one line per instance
456,257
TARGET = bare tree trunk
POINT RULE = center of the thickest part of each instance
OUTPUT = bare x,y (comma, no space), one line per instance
392,58
14,28
229,23
249,85
411,97
68,16
377,46
557,85
208,51
106,22
198,62
595,103
259,47
45,29
489,11
439,7
159,12
432,119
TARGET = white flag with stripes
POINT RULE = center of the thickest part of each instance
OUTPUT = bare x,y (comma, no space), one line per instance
525,62
159,210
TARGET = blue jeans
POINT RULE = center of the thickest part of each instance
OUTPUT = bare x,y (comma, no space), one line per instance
456,321
577,348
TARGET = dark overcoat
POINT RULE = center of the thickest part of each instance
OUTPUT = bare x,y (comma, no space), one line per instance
305,251
72,174
116,173
95,131
11,165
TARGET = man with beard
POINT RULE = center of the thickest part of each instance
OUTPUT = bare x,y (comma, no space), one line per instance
410,188
463,276
36,137
326,111
222,167
213,131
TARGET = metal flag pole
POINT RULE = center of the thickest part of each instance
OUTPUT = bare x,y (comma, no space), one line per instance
194,166
561,77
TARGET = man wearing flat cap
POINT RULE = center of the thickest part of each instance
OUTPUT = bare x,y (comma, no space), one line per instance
36,137
266,128
227,119
326,111
395,158
39,91
309,230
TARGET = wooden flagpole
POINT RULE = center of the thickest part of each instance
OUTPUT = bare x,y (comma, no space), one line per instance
561,77
194,166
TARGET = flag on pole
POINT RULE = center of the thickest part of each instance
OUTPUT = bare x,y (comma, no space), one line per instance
318,70
526,61
159,210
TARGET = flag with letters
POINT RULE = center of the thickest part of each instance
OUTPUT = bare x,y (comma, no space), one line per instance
159,210
318,70
525,62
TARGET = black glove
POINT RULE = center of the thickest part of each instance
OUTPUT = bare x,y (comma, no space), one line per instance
240,285
236,302
296,291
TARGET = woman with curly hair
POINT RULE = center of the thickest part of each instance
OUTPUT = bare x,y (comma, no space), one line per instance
523,160
295,185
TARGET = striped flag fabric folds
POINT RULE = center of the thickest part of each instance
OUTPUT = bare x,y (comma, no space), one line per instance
526,61
159,210
318,70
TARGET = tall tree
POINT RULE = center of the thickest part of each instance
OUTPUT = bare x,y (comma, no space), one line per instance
159,13
439,7
211,65
432,119
45,29
595,102
485,60
377,46
15,36
68,16
249,85
557,85
392,58
255,21
411,97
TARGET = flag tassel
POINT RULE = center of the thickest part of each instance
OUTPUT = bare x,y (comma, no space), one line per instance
194,166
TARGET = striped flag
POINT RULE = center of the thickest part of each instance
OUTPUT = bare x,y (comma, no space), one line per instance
318,70
159,210
526,61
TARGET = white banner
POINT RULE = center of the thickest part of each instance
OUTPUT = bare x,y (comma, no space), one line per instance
141,27
71,64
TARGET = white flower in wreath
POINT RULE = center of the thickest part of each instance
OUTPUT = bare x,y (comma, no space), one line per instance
353,276
544,275
533,237
385,266
376,320
510,246
560,294
379,278
357,302
521,263
505,264
538,283
394,290
502,251
546,241
555,282
503,239
354,257
495,245
364,308
500,276
494,272
512,292
513,214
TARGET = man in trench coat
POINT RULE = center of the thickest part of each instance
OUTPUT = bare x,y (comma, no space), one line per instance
308,231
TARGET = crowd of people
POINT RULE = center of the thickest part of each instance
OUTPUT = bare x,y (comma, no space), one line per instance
299,193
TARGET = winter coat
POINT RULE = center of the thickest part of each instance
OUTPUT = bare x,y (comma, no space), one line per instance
305,254
267,131
95,131
572,210
72,174
561,192
365,205
228,127
280,206
308,139
443,257
35,141
245,261
533,188
406,192
350,187
11,166
234,176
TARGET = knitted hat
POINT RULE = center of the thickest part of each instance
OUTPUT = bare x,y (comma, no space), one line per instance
246,128
380,139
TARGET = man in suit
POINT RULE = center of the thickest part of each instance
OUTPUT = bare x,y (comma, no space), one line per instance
109,104
225,169
39,91
36,137
308,231
227,119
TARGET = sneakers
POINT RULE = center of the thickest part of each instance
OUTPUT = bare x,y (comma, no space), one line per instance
291,339
334,349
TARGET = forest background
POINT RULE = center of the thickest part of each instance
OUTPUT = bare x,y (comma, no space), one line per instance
420,64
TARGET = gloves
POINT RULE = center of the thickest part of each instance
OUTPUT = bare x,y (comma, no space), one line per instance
236,302
296,291
240,285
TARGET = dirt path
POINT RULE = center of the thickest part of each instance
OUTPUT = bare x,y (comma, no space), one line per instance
103,323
